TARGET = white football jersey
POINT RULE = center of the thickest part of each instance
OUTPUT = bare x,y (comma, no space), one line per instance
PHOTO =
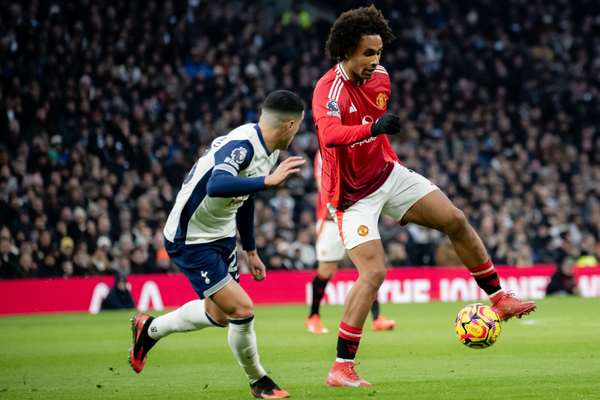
198,218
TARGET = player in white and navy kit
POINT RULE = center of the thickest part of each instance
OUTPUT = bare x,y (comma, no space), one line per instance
215,201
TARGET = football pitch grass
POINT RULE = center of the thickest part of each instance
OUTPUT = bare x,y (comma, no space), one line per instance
552,354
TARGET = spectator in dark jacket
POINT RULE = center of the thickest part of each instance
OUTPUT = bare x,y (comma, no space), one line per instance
8,261
25,269
563,281
119,296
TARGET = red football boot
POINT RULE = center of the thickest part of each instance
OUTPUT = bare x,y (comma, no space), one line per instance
142,342
506,305
343,374
313,324
383,324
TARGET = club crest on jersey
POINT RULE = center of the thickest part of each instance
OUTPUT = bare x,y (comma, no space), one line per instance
333,105
238,155
363,230
381,100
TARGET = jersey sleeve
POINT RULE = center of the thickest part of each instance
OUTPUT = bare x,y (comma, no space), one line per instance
335,134
318,165
328,119
230,159
234,156
245,224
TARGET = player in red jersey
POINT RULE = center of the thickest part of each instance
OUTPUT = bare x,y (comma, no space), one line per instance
362,177
330,250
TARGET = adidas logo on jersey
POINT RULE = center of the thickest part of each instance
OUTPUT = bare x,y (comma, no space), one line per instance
352,108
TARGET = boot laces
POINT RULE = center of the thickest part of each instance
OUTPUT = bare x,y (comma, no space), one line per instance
352,373
508,294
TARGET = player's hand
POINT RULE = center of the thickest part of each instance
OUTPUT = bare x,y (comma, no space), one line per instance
256,266
284,169
387,123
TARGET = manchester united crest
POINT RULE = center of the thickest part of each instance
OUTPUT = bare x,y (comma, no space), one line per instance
381,100
363,230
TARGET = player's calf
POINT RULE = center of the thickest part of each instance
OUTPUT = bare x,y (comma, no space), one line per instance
242,341
147,330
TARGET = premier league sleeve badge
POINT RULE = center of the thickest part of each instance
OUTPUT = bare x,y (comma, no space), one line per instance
334,108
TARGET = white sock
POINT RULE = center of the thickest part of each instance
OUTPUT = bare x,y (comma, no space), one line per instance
190,317
242,341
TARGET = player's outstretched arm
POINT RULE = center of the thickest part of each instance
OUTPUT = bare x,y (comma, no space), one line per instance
223,184
335,134
256,266
386,124
284,170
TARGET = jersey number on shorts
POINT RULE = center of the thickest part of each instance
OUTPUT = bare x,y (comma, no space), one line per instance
233,264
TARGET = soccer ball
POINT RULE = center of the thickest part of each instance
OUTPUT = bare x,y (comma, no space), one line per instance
477,326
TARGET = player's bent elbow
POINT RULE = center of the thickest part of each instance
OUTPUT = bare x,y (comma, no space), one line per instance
330,137
213,193
213,188
327,142
330,142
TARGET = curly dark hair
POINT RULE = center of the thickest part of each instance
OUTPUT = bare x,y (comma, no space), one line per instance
351,25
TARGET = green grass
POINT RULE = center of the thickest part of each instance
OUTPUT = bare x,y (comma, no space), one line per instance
553,354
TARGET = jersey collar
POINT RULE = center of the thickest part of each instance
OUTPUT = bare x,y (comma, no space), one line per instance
340,71
262,141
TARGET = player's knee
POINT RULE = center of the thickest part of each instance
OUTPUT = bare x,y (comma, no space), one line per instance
380,275
244,309
375,277
327,269
456,224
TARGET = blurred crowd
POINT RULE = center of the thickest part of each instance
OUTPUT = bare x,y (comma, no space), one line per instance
106,104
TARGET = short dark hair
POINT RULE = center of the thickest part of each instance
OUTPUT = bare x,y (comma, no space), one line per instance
348,29
283,102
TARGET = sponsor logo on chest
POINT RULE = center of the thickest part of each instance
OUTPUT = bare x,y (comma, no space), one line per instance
365,141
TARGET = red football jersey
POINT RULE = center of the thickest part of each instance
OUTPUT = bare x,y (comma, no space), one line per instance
322,211
355,164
